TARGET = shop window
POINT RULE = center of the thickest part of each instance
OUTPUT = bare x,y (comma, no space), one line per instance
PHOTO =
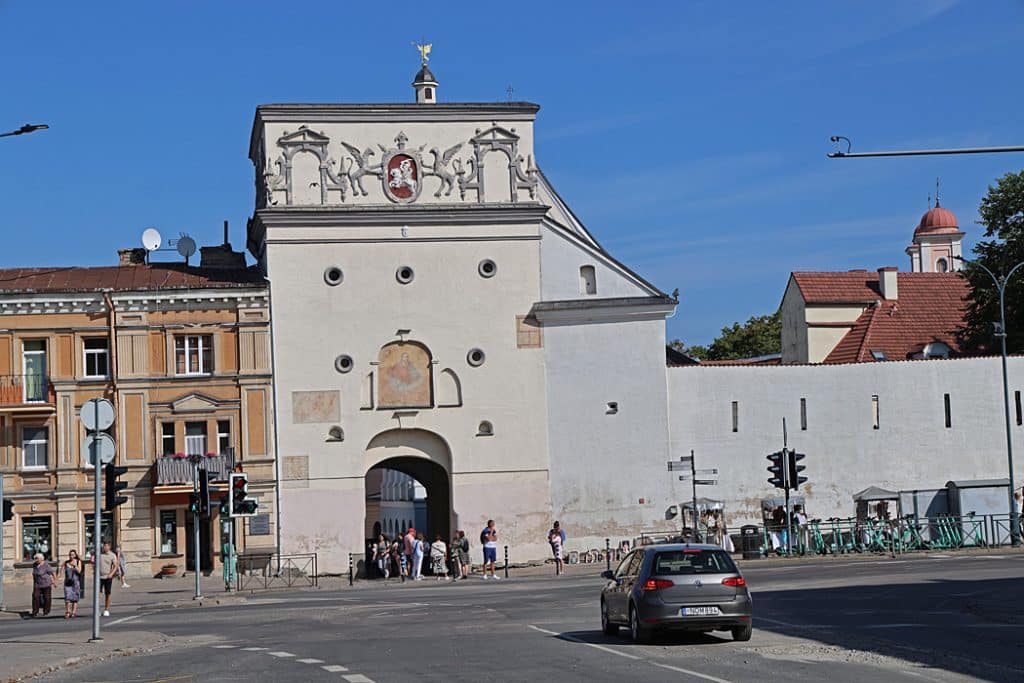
97,357
34,447
36,537
193,354
195,438
106,531
167,438
168,532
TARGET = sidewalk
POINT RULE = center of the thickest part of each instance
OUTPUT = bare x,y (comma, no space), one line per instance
26,656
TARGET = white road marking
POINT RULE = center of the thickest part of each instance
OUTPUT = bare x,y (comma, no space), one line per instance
333,668
893,626
280,654
992,625
789,625
357,678
310,661
254,649
681,670
224,647
124,619
583,642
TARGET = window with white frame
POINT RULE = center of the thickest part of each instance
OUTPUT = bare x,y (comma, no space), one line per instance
167,438
34,446
223,436
193,354
97,357
195,438
36,537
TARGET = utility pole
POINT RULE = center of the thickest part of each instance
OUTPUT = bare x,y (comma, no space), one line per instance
3,605
97,528
197,561
785,468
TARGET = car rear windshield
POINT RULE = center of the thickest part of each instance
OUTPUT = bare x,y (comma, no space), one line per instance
693,562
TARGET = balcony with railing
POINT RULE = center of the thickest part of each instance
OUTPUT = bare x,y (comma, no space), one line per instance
26,392
176,471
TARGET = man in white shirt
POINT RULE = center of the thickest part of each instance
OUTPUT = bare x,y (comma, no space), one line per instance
489,538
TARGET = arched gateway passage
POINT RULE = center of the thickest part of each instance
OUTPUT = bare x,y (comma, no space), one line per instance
396,461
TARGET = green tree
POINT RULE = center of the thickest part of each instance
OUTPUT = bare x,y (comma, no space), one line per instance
759,336
1002,214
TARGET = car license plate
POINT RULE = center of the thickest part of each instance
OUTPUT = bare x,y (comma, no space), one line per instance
710,611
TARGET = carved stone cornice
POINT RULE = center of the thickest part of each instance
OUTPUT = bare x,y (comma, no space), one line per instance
399,215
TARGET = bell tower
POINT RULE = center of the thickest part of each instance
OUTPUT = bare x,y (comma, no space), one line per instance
937,242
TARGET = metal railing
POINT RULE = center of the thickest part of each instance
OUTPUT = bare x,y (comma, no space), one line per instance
264,571
837,536
30,388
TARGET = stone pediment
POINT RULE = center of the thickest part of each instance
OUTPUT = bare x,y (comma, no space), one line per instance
495,133
303,136
194,403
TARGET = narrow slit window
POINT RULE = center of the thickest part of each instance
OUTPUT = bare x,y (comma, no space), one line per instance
803,414
1016,401
735,416
949,416
874,411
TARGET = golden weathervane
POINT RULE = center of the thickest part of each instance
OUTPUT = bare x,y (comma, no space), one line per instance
424,50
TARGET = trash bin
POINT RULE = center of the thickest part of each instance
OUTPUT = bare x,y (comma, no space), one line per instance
750,541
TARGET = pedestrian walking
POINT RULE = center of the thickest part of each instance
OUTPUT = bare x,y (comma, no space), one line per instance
409,541
489,539
107,567
122,567
72,570
381,556
438,552
462,549
43,578
394,555
556,537
419,547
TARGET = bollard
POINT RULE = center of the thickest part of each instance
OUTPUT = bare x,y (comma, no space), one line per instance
607,554
351,572
506,562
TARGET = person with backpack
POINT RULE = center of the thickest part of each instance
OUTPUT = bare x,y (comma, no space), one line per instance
489,540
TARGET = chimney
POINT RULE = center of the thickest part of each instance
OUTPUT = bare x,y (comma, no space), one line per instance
135,256
887,283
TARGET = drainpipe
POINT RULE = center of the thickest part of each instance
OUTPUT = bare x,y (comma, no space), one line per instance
277,450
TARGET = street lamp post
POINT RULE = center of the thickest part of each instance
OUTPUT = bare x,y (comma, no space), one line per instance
27,128
1001,283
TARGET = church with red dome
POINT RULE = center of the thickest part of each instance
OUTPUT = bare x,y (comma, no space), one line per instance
936,247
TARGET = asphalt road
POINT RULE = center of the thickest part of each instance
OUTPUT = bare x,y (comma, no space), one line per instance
928,618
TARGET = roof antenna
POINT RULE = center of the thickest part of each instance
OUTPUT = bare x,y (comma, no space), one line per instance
508,92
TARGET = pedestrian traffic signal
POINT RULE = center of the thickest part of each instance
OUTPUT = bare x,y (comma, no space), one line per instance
794,470
8,510
778,469
241,504
112,486
225,506
193,503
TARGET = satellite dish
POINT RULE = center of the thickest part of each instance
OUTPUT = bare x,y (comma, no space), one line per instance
186,246
151,239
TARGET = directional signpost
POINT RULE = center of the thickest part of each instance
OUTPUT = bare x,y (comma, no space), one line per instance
688,462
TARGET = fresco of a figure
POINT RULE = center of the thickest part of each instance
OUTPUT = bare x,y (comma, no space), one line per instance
404,372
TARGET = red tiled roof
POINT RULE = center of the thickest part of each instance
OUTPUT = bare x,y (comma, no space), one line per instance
929,308
124,278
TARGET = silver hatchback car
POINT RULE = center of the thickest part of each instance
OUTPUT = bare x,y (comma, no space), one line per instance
693,587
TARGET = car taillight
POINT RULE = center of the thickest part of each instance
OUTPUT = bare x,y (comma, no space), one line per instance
657,584
734,581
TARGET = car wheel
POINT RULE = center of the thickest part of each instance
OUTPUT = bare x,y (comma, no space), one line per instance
607,627
742,633
639,634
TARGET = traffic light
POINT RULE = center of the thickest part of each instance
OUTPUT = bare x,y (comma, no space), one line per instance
794,470
112,486
225,506
778,469
193,503
8,510
241,505
204,491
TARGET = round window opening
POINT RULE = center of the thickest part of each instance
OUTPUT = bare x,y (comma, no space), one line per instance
333,275
487,268
476,357
335,433
404,275
485,429
343,363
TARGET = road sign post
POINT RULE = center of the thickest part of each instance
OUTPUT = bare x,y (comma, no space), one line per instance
97,416
690,462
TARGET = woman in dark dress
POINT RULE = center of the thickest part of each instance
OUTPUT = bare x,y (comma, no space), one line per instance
72,570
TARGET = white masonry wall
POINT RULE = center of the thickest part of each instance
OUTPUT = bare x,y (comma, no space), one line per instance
912,448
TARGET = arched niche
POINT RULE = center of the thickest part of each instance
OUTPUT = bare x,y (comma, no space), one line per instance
449,389
405,378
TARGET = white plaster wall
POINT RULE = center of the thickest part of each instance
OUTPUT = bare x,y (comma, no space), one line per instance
451,309
911,449
560,279
601,464
821,341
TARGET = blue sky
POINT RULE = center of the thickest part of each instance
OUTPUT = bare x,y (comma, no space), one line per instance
689,137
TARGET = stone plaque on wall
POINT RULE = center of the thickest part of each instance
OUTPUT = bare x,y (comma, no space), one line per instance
295,471
259,525
316,406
